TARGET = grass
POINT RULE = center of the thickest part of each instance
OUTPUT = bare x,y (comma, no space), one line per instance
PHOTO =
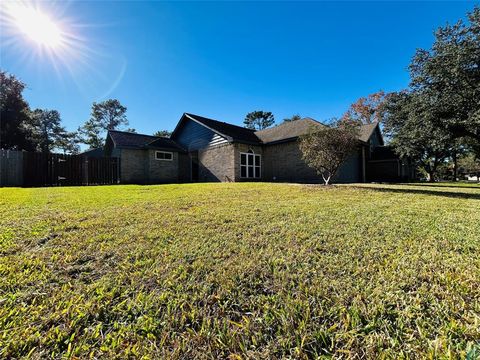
240,271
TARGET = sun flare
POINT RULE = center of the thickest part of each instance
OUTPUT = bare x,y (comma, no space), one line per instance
49,38
35,25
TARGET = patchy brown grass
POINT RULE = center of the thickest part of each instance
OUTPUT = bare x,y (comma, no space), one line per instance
240,271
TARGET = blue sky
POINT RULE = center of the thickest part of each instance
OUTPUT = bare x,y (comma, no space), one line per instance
223,59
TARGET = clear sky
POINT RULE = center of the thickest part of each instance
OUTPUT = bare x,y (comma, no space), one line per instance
221,59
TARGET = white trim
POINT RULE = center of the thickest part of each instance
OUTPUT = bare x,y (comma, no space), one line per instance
164,152
251,158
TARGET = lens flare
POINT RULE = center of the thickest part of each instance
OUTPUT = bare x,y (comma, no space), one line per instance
47,36
36,25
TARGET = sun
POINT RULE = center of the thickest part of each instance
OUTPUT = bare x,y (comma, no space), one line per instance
49,37
35,25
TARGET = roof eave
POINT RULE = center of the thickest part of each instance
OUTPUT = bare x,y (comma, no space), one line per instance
132,147
246,142
163,148
178,126
111,138
280,141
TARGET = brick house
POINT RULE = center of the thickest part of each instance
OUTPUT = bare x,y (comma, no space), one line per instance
206,150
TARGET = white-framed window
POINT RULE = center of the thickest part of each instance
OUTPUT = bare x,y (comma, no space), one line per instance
163,155
250,165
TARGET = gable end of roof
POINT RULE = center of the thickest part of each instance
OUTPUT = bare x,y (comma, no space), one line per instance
232,133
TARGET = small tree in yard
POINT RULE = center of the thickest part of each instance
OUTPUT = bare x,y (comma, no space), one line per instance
327,149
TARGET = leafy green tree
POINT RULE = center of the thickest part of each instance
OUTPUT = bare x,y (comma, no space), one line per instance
162,133
449,76
292,118
110,114
68,143
91,134
106,115
469,164
48,129
259,120
15,121
325,150
409,123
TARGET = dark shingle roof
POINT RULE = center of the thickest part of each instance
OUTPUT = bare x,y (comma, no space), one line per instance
232,132
122,139
367,130
293,129
96,152
288,130
164,143
283,132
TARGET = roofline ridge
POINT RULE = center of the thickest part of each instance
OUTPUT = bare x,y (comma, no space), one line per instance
291,122
132,133
315,120
158,138
219,121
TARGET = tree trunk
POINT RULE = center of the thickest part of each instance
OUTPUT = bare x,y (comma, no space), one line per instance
326,179
432,169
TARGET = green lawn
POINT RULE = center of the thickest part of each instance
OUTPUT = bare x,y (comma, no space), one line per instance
240,271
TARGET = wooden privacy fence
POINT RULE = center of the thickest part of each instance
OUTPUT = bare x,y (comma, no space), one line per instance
39,169
11,169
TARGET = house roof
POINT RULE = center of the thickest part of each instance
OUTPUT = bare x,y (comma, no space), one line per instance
291,130
366,131
284,132
288,130
164,143
95,152
122,139
229,131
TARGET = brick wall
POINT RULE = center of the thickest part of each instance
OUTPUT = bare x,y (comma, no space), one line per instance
132,166
283,162
184,168
216,163
280,162
141,167
162,171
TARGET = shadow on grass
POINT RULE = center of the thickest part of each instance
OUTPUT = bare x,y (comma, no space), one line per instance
449,194
466,186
